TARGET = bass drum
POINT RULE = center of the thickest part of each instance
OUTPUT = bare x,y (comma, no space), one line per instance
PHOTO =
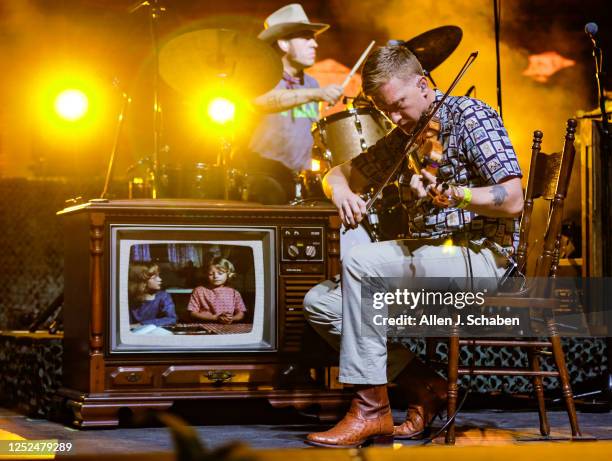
344,135
200,181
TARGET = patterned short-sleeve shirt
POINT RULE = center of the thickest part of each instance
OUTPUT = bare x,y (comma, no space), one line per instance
219,300
476,152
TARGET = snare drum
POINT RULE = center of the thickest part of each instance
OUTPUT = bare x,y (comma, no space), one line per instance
344,135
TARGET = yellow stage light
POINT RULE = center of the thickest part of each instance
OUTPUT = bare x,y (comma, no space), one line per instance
221,110
71,104
315,164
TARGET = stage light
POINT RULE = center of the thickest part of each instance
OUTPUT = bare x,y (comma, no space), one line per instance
71,104
221,110
315,164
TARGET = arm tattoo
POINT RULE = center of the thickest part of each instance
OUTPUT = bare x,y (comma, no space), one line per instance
274,101
499,194
284,100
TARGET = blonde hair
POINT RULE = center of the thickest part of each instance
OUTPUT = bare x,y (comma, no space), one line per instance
139,274
385,63
223,264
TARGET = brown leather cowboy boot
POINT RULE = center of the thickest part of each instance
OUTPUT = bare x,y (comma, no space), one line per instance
426,394
369,418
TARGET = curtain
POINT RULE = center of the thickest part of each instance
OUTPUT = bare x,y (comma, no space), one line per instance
140,252
180,254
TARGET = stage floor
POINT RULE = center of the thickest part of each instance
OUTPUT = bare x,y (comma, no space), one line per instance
475,428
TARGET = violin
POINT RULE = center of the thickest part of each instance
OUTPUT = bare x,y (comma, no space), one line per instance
426,154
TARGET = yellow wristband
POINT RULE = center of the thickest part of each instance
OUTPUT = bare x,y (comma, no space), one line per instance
467,198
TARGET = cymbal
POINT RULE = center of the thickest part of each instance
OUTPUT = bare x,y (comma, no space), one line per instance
433,47
224,57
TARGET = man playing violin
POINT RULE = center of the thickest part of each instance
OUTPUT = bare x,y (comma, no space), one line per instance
477,200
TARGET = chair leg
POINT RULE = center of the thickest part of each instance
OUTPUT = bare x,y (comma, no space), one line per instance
430,349
538,389
453,372
565,381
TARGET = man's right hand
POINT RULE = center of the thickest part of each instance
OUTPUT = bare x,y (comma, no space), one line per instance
351,207
330,94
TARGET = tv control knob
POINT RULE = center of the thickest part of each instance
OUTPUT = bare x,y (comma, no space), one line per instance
310,251
293,251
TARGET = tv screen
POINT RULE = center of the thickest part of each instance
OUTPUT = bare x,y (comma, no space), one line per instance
187,289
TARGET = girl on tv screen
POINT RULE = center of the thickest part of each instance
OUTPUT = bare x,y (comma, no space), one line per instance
217,302
149,304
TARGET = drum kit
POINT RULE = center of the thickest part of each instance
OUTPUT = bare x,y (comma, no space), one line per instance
227,60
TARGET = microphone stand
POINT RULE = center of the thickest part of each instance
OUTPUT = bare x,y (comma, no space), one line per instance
496,16
604,143
606,177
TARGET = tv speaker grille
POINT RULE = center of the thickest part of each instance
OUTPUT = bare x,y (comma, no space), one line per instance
293,291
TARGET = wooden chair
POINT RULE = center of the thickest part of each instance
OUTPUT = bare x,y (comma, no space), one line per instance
548,179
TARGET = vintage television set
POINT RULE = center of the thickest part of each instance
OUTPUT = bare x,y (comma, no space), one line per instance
119,353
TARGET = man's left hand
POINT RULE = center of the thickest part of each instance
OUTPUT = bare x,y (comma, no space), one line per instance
426,184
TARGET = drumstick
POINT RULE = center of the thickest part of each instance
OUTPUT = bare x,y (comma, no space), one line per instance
357,64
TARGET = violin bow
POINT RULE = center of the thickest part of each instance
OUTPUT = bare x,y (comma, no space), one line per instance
419,128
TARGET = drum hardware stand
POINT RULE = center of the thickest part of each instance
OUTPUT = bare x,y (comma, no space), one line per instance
226,139
120,120
155,11
223,159
299,190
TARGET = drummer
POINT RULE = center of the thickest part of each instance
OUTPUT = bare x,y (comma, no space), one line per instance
281,143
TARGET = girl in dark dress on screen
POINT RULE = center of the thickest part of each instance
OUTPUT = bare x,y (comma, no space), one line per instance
149,304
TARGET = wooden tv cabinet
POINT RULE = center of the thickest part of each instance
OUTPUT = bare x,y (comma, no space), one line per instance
98,383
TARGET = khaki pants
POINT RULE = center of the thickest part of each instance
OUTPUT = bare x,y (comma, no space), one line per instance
334,308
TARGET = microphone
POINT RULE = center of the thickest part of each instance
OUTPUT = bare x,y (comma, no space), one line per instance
591,30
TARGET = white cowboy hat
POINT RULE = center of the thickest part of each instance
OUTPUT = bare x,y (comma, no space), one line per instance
287,20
